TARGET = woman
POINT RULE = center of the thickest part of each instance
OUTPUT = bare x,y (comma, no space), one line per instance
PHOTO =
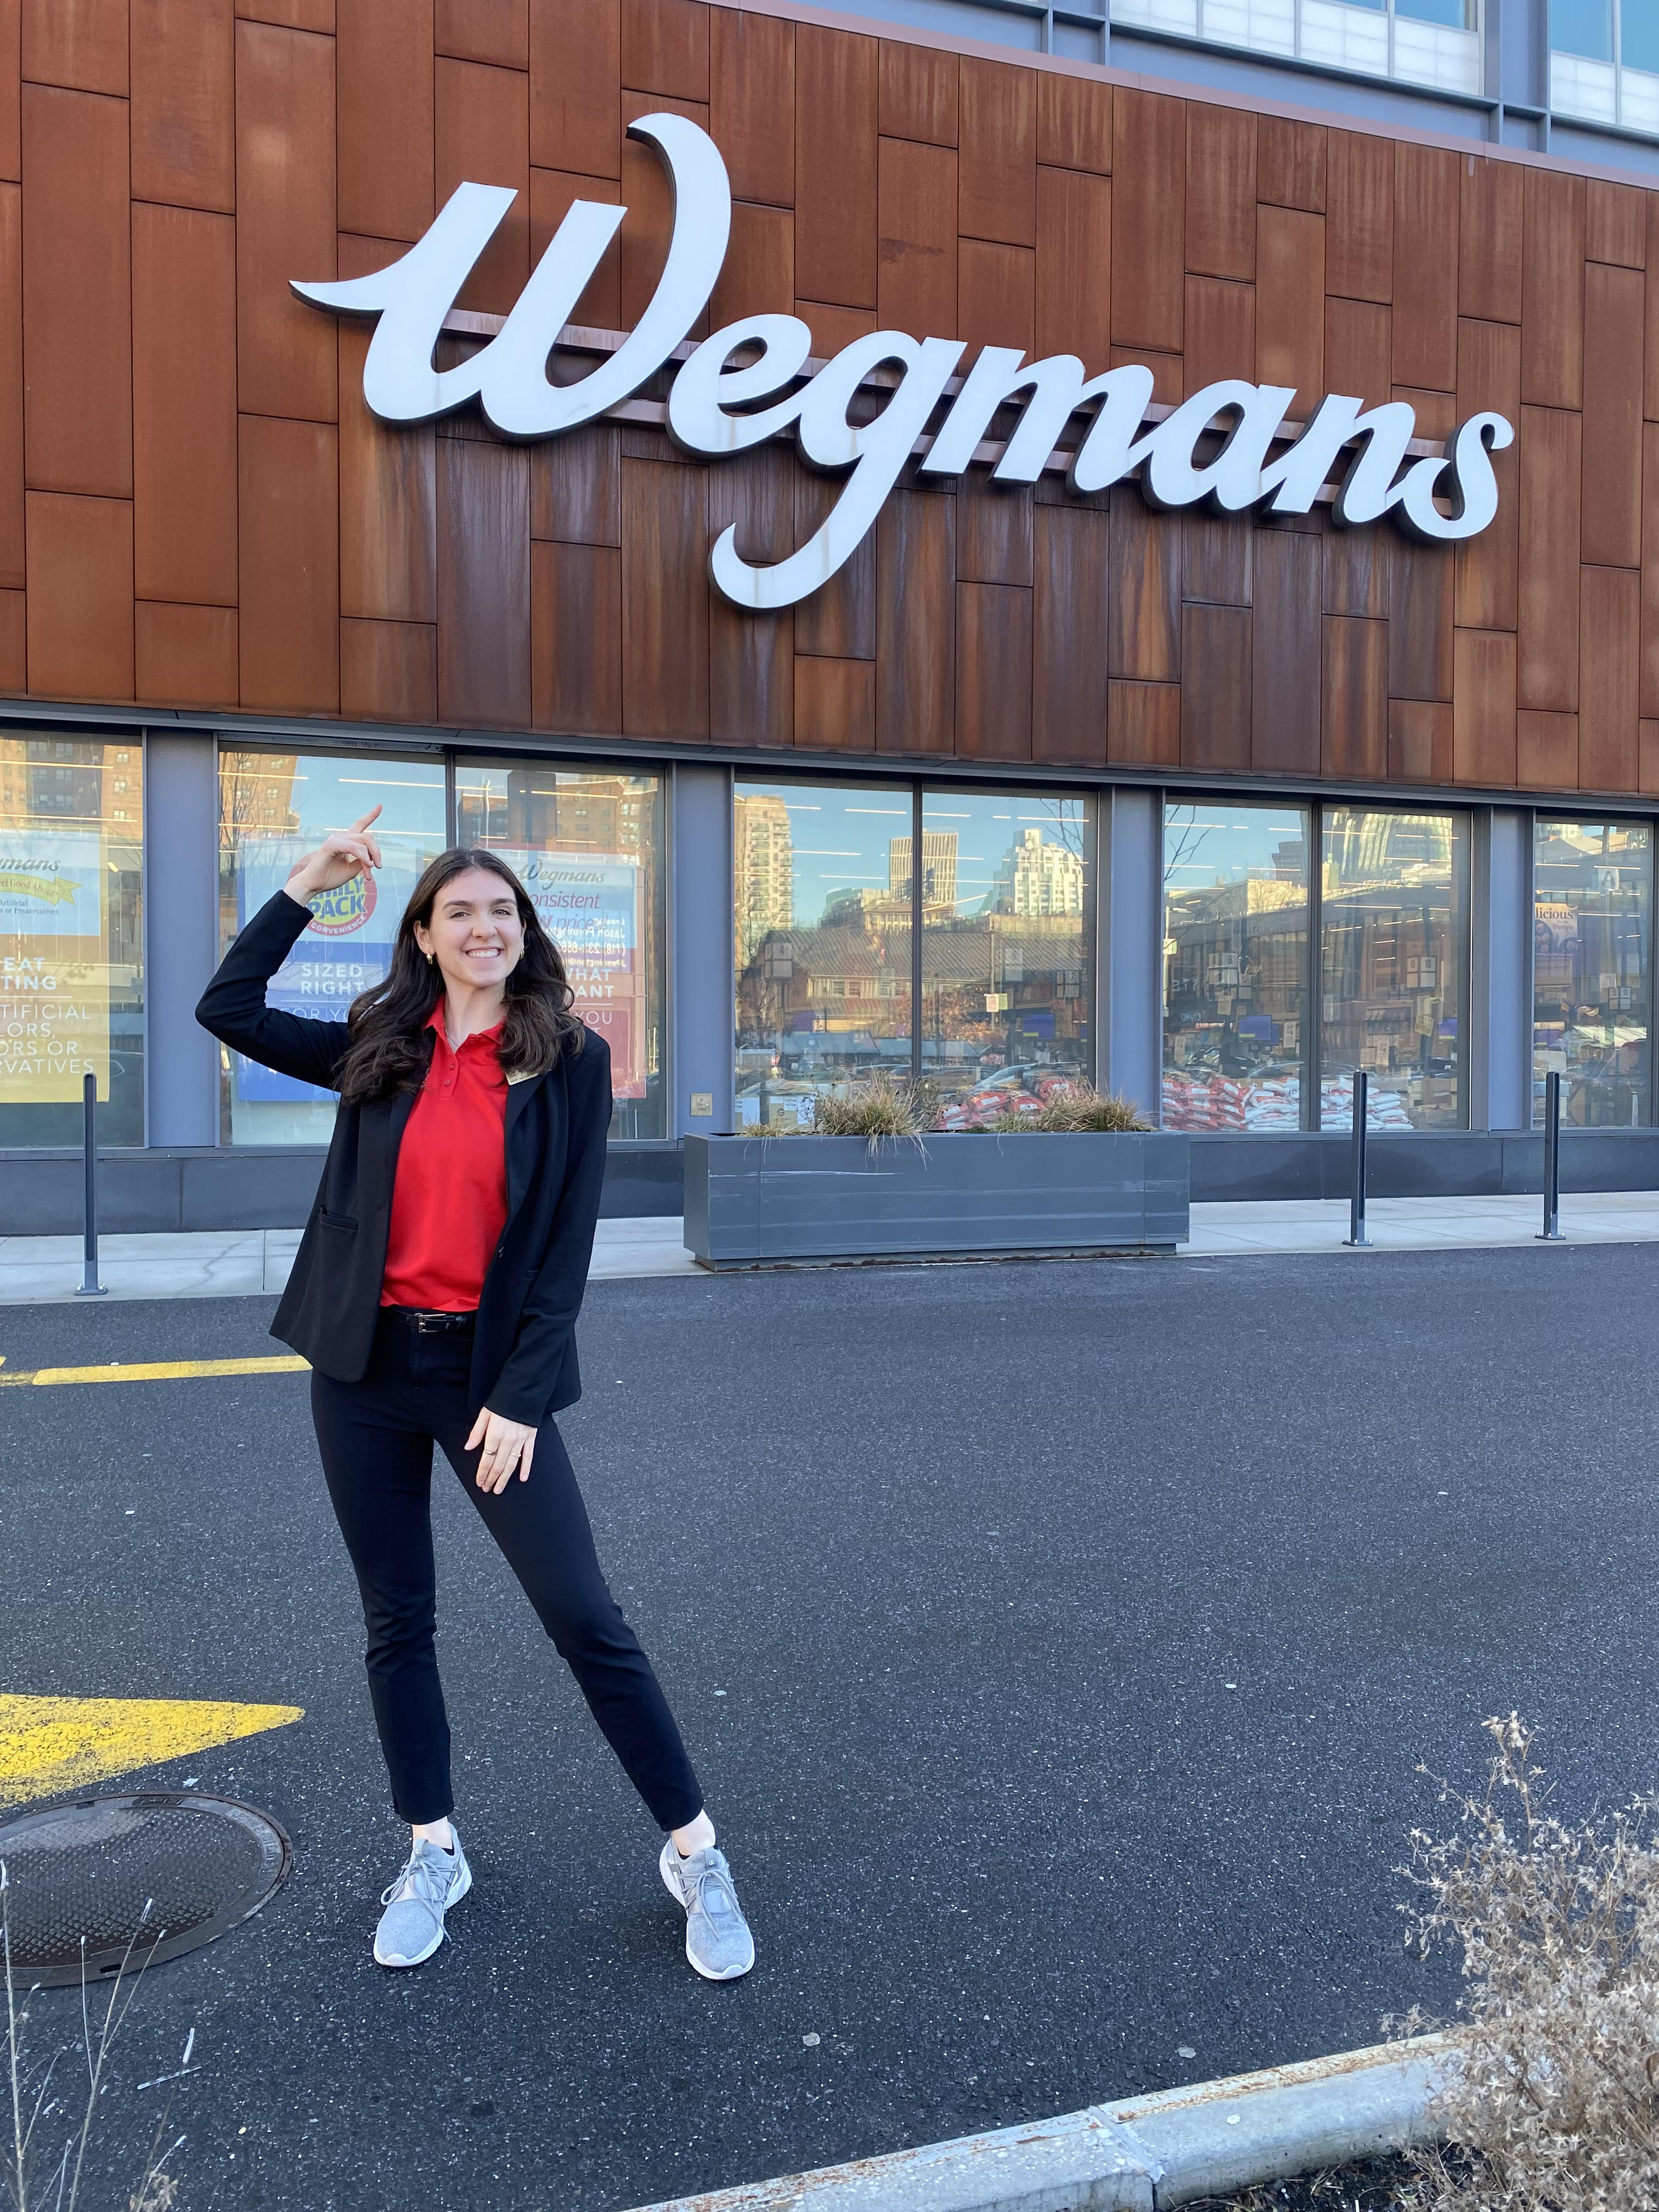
436,1295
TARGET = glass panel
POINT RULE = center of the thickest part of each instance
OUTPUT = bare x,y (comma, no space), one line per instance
1639,35
587,845
1456,14
823,943
71,936
1582,27
274,807
1394,960
1592,935
1235,966
1007,979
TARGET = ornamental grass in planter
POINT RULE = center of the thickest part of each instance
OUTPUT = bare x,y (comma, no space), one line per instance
1077,1109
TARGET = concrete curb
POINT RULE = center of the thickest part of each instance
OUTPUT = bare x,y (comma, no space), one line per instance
1140,2154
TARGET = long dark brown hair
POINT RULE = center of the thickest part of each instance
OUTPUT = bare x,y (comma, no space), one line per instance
387,1052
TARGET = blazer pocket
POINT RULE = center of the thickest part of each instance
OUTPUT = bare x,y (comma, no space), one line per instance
342,1222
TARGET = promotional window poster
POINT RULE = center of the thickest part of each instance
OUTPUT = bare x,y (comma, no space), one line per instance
54,974
593,909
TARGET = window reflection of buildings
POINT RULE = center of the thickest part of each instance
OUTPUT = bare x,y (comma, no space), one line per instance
1592,922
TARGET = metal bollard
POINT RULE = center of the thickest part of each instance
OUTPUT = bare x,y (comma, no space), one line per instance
90,1287
1550,1232
1355,1235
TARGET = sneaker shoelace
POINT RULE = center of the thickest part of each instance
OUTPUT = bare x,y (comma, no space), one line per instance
421,1879
714,1892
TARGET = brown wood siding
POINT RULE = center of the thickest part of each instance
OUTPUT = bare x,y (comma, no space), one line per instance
197,510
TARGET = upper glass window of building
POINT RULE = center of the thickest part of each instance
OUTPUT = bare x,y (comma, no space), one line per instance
1427,42
1604,62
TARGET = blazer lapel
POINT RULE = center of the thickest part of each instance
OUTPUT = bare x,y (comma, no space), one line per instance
522,1133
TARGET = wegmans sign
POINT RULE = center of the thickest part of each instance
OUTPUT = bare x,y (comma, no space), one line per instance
1227,448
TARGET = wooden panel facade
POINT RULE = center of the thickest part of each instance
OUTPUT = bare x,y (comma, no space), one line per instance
197,510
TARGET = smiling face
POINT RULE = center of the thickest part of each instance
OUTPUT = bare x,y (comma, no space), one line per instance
475,933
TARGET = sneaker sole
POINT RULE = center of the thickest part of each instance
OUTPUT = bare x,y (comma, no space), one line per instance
733,1973
420,1957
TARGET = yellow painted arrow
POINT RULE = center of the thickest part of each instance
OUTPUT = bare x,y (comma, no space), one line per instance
50,1747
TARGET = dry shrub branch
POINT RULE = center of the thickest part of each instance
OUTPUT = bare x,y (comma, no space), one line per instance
1555,2089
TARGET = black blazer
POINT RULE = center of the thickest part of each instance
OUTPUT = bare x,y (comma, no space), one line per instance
524,1347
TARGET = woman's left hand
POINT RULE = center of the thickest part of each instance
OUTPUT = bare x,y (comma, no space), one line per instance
506,1444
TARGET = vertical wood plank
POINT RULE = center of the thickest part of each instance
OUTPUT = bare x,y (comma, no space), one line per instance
996,290
997,179
1216,689
664,626
1551,457
1358,350
1220,331
575,486
184,399
1552,289
11,385
1070,607
184,656
384,62
80,594
285,358
388,671
1616,223
1610,664
916,283
1144,636
388,507
994,672
11,95
552,194
1488,575
916,647
81,44
288,565
1074,123
1420,741
1420,617
1359,234
1650,381
1546,751
994,529
1290,330
916,95
481,121
484,582
665,48
835,165
835,705
752,92
77,327
496,32
1426,266
1285,654
1489,240
1354,715
1483,712
648,197
1074,264
1650,569
1221,188
751,662
838,619
575,650
575,86
1149,220
1615,319
1143,725
183,136
1290,164
1217,558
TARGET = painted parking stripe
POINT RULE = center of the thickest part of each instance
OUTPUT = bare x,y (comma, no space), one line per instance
50,1747
159,1370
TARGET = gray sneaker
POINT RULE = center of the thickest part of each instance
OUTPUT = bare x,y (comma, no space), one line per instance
717,1938
412,1926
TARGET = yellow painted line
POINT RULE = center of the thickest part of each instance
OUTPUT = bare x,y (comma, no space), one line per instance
51,1746
159,1370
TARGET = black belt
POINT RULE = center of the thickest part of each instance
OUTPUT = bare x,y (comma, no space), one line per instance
431,1324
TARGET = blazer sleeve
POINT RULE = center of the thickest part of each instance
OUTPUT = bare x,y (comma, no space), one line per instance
548,1321
234,1007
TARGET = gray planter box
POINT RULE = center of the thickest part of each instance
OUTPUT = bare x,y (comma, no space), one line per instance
758,1200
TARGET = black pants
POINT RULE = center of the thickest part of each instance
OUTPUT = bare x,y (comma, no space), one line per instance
376,1439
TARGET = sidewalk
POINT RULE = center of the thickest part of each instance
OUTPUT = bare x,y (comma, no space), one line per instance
229,1263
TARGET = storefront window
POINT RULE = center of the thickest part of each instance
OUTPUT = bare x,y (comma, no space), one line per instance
1592,966
1235,966
1007,914
823,943
1394,965
273,808
587,845
71,936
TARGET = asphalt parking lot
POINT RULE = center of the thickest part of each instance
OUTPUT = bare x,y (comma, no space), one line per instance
1056,1644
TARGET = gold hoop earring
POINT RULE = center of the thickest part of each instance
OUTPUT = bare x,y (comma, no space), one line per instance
429,959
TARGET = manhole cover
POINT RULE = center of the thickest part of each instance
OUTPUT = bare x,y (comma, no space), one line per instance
83,1873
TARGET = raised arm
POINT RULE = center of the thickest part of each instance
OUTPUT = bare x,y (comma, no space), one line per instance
232,1007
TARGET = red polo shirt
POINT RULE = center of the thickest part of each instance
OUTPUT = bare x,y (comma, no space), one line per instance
449,1200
